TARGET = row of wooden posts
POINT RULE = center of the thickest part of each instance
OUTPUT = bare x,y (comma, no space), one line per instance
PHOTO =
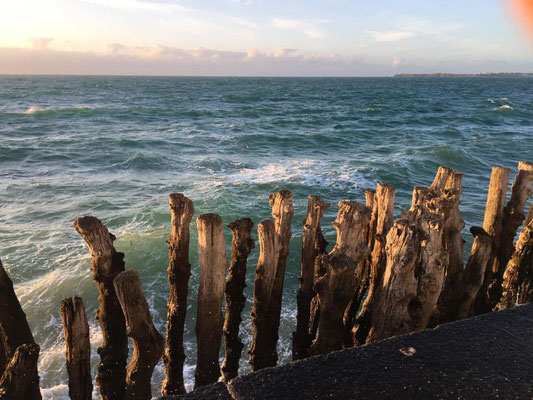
382,278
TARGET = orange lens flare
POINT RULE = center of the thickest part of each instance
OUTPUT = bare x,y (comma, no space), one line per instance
523,10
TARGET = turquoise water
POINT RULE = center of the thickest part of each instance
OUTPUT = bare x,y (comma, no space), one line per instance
116,147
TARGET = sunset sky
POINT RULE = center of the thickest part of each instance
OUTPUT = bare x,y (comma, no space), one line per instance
262,37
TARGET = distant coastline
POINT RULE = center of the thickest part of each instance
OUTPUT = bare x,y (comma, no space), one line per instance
481,75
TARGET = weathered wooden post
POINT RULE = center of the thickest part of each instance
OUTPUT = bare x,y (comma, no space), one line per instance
268,284
209,321
336,287
179,271
492,224
20,379
107,263
147,341
78,349
518,277
382,219
513,216
241,246
313,244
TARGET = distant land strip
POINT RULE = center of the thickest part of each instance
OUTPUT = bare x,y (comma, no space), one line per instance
481,75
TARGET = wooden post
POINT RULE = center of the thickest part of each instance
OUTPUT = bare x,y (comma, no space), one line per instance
492,224
78,348
336,287
384,217
19,379
268,284
465,291
518,278
107,263
147,341
241,246
513,216
313,244
179,271
209,321
20,349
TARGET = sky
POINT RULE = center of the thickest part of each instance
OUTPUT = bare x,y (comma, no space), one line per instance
263,37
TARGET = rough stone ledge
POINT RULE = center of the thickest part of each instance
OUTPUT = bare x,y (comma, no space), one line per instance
486,357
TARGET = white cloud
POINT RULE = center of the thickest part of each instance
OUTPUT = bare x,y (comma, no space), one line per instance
309,28
389,36
140,5
40,43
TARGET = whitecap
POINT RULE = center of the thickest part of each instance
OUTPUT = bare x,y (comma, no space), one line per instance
503,108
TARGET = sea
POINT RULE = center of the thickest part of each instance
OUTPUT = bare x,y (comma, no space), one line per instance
116,147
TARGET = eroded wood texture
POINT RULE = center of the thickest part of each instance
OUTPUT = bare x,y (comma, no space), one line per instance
241,246
313,244
179,270
147,341
338,283
492,224
513,216
274,239
77,348
518,277
209,321
107,263
20,379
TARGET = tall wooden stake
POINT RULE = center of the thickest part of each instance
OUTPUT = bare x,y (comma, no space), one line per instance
179,271
209,321
78,348
241,246
107,263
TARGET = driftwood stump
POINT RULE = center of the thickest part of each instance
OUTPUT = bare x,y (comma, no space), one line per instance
78,349
335,288
107,263
241,246
492,224
518,276
147,341
179,271
513,216
209,321
313,244
20,379
268,284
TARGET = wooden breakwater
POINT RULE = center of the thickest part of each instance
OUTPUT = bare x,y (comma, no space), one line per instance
381,278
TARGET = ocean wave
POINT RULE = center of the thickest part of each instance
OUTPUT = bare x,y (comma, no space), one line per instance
34,110
505,107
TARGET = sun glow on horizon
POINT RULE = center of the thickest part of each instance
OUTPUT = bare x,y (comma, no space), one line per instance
523,11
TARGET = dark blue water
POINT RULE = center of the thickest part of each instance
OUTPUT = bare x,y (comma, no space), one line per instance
116,147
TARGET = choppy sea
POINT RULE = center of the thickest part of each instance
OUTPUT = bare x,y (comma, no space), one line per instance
115,147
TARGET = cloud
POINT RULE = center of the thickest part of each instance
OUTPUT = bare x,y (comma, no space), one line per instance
140,5
40,43
309,28
389,36
118,59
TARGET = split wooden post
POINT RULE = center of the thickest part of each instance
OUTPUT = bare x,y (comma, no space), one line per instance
383,213
518,276
336,287
20,379
492,224
179,271
147,341
241,246
513,216
78,348
209,321
107,263
313,244
268,284
467,287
